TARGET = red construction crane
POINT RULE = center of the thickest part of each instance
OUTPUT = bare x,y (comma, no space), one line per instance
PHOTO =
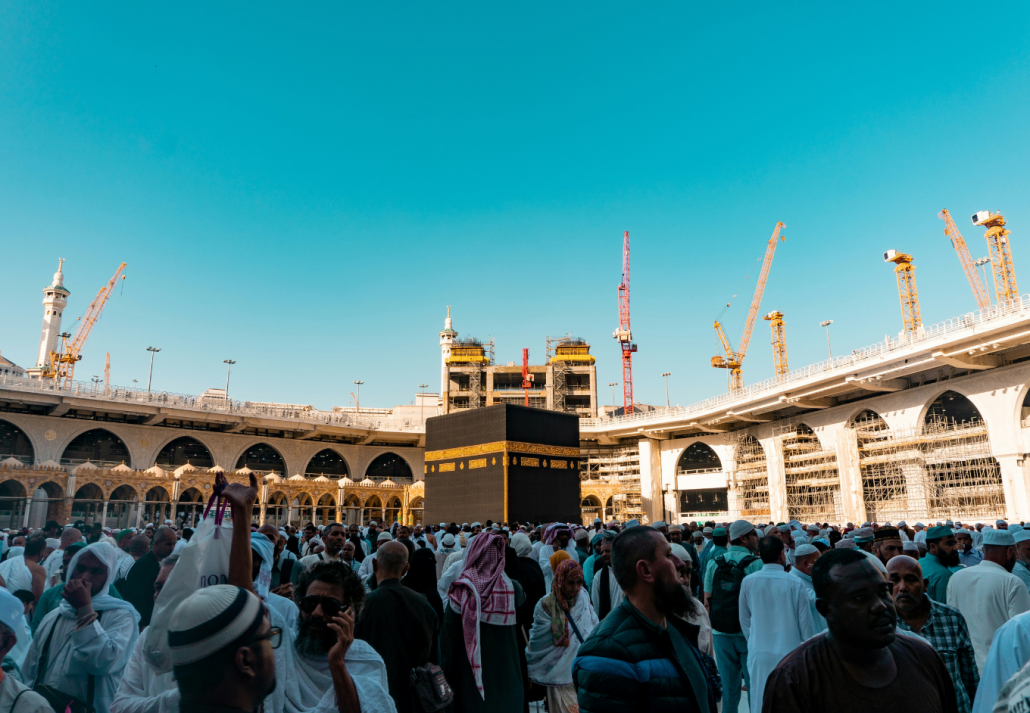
623,334
527,378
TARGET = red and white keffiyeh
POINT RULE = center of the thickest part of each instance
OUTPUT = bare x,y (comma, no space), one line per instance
482,594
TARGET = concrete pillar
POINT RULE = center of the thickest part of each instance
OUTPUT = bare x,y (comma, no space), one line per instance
1015,483
28,508
778,511
651,480
139,516
846,441
103,516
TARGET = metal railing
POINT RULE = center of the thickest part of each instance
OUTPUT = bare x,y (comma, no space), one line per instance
375,420
866,356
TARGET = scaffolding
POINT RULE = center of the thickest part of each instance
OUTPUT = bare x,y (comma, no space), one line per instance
562,353
811,476
617,466
749,481
475,386
943,471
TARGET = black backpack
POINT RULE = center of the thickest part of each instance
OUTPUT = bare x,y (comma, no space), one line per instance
725,609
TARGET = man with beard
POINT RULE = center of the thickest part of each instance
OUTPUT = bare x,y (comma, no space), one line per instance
642,634
887,543
333,539
988,595
805,557
320,666
940,562
943,626
775,616
860,664
360,544
605,592
1022,567
967,556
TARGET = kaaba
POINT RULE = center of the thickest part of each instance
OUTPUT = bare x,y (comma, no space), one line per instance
505,463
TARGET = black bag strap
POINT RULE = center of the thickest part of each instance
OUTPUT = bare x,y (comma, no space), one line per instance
16,699
286,570
572,623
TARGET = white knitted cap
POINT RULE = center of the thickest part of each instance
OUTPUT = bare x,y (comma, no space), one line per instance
209,620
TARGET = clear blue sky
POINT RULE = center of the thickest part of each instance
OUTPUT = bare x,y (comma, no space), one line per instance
305,188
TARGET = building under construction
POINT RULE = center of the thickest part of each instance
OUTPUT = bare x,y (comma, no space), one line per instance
470,377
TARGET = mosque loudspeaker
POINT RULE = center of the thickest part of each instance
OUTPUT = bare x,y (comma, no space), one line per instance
468,452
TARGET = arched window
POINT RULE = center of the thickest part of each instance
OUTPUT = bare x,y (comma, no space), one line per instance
185,450
698,458
416,508
12,504
47,504
190,507
373,510
352,510
99,446
157,507
393,510
262,457
589,508
326,510
952,408
15,444
88,504
751,478
328,463
121,508
392,466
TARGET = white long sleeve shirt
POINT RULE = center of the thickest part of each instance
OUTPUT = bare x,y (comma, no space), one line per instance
988,596
595,590
144,690
775,617
1009,652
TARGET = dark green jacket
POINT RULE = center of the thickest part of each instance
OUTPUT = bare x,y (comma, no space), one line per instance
629,664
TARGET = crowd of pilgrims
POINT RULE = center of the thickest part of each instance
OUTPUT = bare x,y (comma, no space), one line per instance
501,616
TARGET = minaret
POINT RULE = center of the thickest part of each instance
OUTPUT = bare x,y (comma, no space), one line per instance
446,340
55,299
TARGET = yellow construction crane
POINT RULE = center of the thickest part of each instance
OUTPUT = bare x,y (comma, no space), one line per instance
62,363
906,274
107,372
733,359
1001,254
779,343
983,300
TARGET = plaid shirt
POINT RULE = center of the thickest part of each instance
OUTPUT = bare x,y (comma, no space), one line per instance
945,629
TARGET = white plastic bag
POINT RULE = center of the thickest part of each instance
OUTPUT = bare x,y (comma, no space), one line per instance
203,562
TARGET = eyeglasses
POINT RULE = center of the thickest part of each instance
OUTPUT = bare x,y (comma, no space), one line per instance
330,607
274,636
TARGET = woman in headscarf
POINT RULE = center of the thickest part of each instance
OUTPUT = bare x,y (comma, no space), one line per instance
562,621
421,577
480,648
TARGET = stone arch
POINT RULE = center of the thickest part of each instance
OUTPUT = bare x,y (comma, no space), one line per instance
12,504
327,462
390,465
325,510
373,510
262,457
182,450
47,504
698,457
416,510
157,505
15,443
951,407
589,508
301,509
751,478
88,504
393,510
189,507
97,445
277,509
122,507
351,510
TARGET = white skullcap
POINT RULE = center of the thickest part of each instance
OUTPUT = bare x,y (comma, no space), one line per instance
53,543
1021,536
740,528
805,550
209,620
384,537
476,524
1002,538
12,611
448,540
680,551
910,546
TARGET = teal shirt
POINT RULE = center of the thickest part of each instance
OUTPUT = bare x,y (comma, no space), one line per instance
734,553
588,571
937,577
51,599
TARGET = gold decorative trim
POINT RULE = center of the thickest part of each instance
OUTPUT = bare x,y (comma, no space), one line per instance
478,463
530,462
560,464
500,447
447,467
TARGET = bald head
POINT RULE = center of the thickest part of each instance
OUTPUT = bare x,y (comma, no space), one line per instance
908,589
391,560
70,536
139,546
164,542
271,532
904,563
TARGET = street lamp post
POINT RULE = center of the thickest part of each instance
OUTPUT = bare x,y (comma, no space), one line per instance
358,399
666,375
228,370
153,351
612,384
980,265
96,380
423,402
827,324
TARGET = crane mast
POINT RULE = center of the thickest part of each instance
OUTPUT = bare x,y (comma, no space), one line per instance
1000,249
63,363
906,274
983,300
779,343
623,334
733,359
527,380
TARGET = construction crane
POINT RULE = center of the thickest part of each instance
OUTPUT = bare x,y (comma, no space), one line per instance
779,342
527,378
623,334
733,359
107,372
983,300
906,274
62,364
1001,254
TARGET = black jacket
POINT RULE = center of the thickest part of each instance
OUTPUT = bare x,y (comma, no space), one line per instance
402,627
629,664
139,586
